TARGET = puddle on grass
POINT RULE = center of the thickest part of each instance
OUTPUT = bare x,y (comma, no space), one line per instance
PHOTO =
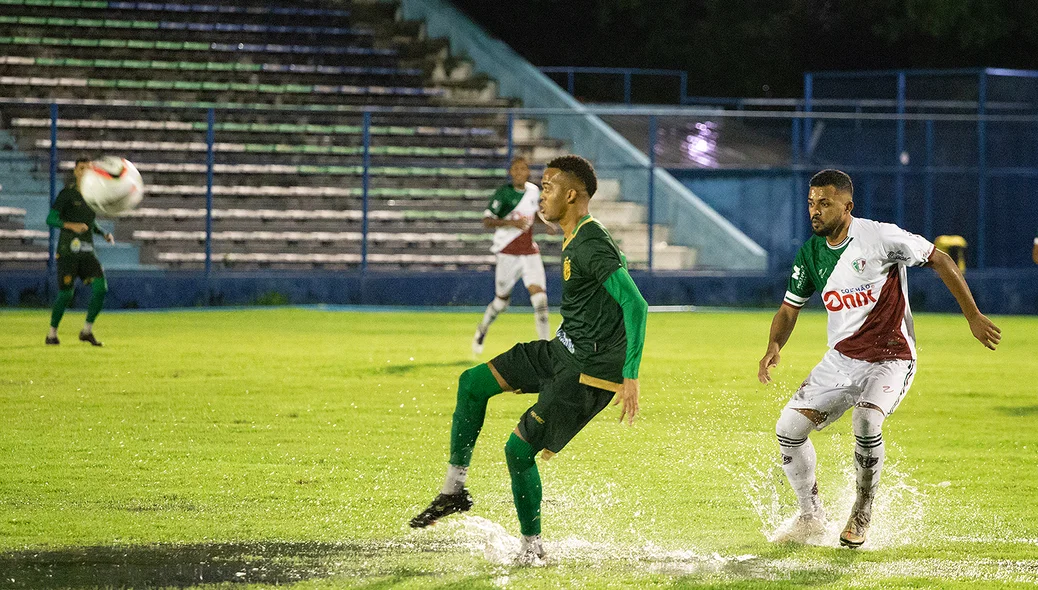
170,565
472,548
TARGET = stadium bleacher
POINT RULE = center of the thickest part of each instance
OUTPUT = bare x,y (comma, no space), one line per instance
288,81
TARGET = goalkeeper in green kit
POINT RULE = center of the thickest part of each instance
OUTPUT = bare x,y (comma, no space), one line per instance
75,255
593,358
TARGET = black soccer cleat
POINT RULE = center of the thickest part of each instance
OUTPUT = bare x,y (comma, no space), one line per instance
443,505
52,341
89,337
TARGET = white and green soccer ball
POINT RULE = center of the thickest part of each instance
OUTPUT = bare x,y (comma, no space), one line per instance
111,186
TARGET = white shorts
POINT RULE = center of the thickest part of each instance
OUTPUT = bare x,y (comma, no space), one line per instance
510,267
839,382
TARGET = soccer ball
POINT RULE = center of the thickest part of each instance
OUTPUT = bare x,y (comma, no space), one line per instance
111,186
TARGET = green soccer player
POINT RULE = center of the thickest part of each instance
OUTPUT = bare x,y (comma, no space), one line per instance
594,356
75,255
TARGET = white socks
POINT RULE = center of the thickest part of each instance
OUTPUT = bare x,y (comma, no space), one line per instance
540,314
869,449
798,458
496,306
456,476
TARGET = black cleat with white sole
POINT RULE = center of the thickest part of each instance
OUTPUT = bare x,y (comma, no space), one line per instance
443,505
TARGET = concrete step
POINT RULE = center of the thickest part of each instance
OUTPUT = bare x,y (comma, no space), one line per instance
636,236
36,206
617,213
608,190
118,256
664,257
527,130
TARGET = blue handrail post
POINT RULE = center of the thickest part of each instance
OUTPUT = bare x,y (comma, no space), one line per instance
808,98
51,232
365,180
570,82
210,162
982,167
652,185
684,86
928,184
627,87
798,182
511,136
899,177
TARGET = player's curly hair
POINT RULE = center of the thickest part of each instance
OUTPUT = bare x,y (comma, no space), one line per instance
837,179
579,168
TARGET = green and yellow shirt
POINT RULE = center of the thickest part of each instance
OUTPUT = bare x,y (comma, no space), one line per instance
603,313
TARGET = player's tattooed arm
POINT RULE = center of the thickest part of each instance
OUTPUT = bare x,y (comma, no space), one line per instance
983,329
781,328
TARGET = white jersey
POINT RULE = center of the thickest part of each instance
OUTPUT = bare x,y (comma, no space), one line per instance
864,288
508,203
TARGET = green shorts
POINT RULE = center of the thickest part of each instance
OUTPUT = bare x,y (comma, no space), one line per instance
565,404
83,265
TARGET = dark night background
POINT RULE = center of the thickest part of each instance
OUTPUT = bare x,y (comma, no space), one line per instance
760,48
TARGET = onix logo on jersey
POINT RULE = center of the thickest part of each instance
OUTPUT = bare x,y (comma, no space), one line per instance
835,301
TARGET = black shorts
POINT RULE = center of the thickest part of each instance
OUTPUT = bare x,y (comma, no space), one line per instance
564,406
83,265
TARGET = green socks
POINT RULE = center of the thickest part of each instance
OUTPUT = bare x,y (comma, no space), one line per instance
98,290
526,484
60,303
99,287
475,387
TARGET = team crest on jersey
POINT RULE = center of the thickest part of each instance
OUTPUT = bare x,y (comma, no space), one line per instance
859,265
566,270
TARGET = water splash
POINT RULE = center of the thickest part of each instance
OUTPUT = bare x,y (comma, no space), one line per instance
899,512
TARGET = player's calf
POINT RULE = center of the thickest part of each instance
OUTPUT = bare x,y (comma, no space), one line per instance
798,460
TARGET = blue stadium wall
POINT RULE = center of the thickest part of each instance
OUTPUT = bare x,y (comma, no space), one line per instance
998,291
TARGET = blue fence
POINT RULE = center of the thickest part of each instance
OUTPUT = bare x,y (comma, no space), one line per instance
625,74
929,187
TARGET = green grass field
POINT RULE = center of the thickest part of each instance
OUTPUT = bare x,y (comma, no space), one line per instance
290,446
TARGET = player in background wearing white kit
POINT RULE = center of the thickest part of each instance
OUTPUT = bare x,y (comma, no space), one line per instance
511,214
859,268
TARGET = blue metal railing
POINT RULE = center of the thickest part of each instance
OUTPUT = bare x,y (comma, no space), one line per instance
627,74
799,162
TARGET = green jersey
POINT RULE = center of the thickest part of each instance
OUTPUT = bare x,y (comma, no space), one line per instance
504,200
592,321
71,208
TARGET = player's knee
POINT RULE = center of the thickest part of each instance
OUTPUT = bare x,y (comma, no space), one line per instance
518,454
467,383
867,421
539,299
793,428
477,383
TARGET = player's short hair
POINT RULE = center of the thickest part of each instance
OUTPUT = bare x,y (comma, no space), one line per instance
580,168
82,160
518,159
837,179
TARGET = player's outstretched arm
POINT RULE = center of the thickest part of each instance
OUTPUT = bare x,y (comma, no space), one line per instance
621,287
982,328
781,328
